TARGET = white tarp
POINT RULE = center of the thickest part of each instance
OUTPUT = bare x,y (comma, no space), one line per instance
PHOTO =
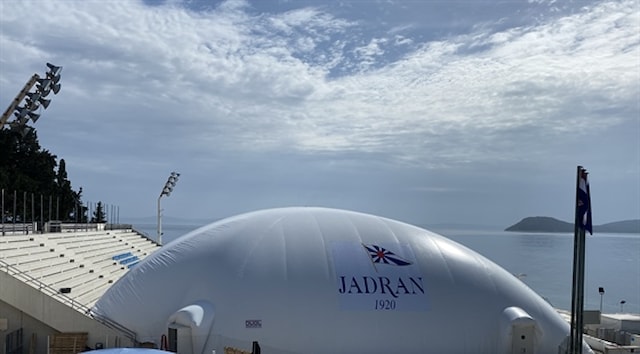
319,280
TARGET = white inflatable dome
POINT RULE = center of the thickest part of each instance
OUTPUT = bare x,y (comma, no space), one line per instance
317,280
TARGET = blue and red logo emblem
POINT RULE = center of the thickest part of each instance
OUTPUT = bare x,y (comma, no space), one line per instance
382,255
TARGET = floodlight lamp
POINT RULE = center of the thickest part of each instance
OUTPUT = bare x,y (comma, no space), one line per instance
55,88
46,92
54,79
43,84
31,105
21,112
34,96
601,290
44,102
34,116
54,70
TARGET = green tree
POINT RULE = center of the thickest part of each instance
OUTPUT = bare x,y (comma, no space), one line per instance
26,167
98,214
66,201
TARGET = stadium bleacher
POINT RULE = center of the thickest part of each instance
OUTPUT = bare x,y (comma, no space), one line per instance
82,265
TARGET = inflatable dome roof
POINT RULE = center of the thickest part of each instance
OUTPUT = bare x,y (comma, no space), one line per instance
317,280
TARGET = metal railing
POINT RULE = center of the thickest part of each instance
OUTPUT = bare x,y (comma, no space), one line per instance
66,300
56,226
17,229
145,235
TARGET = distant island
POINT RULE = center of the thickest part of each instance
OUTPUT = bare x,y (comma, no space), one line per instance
549,224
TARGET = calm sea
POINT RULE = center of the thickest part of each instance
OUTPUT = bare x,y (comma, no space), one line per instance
543,261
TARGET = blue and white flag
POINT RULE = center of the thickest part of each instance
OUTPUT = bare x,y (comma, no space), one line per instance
584,203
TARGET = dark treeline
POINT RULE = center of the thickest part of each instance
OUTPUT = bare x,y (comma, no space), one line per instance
35,186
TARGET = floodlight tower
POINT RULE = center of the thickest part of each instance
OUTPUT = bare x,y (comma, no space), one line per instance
33,100
166,190
601,291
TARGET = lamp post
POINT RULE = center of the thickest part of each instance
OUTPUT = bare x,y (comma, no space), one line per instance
166,190
622,302
601,291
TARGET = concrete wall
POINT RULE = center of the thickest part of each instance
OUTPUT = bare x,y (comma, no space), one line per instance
28,308
17,319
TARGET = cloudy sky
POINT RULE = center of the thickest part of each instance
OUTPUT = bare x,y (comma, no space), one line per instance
473,112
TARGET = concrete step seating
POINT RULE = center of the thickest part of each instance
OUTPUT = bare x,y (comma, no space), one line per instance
11,242
101,253
76,234
59,267
27,249
140,243
95,288
133,237
89,296
80,284
57,278
82,264
89,241
64,238
53,263
26,261
90,277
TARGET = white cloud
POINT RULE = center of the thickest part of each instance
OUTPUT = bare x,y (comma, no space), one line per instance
170,82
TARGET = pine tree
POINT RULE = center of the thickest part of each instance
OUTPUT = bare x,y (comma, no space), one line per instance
66,196
99,215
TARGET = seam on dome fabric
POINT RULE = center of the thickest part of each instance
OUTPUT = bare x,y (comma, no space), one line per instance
251,251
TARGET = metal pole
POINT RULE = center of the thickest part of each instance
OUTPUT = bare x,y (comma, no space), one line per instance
159,236
2,215
25,228
15,200
33,209
577,291
16,101
580,292
41,213
574,284
42,209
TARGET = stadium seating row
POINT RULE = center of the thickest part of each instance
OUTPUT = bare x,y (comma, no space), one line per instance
82,265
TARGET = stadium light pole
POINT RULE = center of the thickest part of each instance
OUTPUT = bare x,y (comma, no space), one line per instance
166,190
601,291
33,101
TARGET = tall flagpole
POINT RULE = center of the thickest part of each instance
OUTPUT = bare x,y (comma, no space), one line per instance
582,223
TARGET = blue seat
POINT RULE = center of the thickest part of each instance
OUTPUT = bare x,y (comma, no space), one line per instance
129,260
121,256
